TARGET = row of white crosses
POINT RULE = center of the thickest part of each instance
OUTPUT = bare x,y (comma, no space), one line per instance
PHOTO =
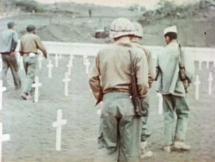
200,64
3,137
197,84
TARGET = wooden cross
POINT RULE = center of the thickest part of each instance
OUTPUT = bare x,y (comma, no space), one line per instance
58,125
210,83
56,60
66,81
197,85
36,85
87,64
50,67
69,66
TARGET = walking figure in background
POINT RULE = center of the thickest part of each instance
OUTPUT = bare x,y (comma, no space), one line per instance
110,82
8,44
136,41
173,73
90,13
29,45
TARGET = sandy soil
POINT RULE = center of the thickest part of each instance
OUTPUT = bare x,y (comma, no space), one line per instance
33,137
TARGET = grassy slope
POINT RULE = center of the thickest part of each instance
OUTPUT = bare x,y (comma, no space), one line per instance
75,26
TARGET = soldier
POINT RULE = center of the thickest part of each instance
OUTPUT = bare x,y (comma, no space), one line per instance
171,86
136,39
8,43
110,83
29,46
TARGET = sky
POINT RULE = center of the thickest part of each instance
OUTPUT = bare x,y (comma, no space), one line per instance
146,3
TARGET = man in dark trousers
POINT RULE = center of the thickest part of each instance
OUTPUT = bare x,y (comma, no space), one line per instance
8,43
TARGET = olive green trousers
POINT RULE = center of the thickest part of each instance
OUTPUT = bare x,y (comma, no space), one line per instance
176,115
120,130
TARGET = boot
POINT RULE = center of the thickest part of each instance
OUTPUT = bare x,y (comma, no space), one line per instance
181,146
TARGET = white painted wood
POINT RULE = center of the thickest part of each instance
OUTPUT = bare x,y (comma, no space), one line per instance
66,81
36,85
197,87
50,67
58,125
210,83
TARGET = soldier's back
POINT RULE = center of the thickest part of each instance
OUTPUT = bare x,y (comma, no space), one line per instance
114,65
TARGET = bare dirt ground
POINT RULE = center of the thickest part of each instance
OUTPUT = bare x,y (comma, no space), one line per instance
33,137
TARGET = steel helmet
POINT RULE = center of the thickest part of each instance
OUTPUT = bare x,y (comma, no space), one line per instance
121,27
138,29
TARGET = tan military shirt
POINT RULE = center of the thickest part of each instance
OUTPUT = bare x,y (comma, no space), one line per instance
31,43
112,70
151,63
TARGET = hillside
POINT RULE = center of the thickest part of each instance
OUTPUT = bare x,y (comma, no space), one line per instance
70,22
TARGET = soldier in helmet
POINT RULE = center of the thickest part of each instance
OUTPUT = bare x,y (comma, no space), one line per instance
110,82
136,41
30,43
170,85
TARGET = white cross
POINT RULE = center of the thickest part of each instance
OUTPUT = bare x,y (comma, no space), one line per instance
2,89
200,65
85,58
56,60
66,81
69,66
210,83
36,85
50,67
3,138
87,64
58,125
197,85
40,59
160,104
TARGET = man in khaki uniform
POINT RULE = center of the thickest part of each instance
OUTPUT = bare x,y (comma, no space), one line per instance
29,46
172,89
110,82
136,39
8,43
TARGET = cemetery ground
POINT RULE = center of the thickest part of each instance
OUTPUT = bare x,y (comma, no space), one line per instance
33,137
